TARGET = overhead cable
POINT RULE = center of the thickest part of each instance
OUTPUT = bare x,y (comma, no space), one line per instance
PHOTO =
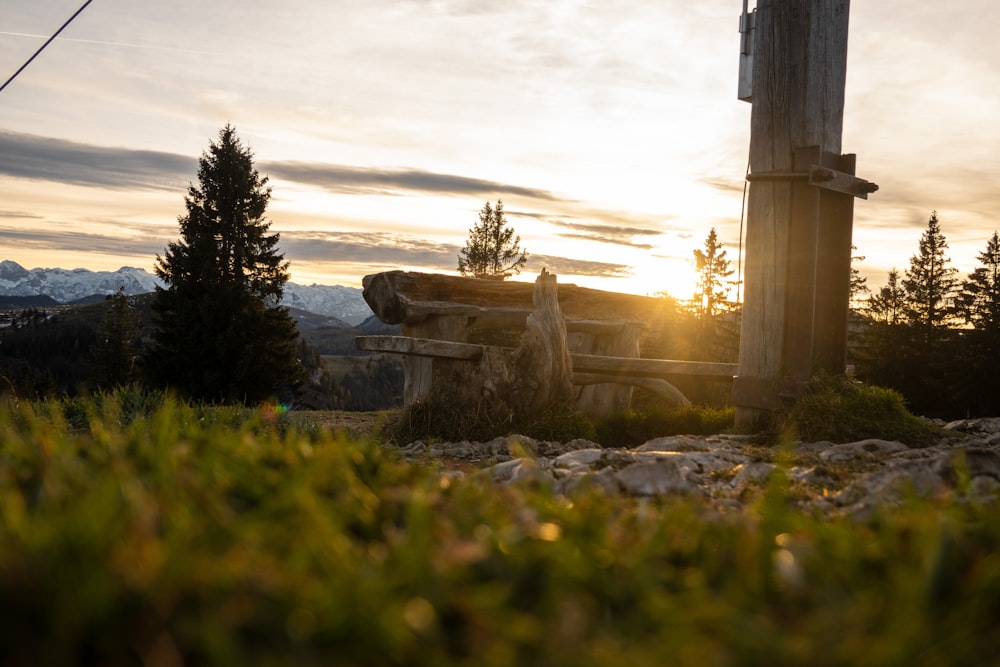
47,42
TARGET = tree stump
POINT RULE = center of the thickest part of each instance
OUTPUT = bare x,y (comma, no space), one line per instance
542,374
514,385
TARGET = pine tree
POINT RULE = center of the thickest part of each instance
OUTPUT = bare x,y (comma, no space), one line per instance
492,249
978,303
220,335
930,282
115,355
859,283
979,298
887,306
712,267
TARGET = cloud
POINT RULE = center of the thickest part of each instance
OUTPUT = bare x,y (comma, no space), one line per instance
46,158
577,267
19,215
383,249
139,246
364,180
366,247
615,234
724,184
50,159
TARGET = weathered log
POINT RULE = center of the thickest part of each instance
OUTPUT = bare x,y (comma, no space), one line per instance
542,370
401,297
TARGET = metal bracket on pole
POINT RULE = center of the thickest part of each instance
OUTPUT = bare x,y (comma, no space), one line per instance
838,181
822,177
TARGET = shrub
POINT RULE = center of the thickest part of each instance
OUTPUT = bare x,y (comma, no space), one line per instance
636,427
841,410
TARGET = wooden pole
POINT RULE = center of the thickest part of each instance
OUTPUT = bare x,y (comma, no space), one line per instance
798,235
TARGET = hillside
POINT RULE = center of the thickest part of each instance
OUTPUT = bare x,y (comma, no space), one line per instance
46,350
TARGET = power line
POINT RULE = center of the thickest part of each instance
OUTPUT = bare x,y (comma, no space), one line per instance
47,42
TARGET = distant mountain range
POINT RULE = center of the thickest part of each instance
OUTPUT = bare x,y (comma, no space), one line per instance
20,287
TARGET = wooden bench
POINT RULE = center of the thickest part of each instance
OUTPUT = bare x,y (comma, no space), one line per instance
441,315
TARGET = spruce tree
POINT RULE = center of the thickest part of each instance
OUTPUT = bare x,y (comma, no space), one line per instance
979,298
978,303
859,283
220,335
492,249
887,306
930,282
115,356
713,268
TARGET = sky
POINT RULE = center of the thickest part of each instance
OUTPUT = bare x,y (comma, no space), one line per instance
610,130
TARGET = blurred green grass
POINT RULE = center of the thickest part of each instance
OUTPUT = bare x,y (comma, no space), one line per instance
155,532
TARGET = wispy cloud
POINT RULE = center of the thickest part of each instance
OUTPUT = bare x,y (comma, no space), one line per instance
58,160
366,247
46,158
578,267
364,180
144,246
19,215
615,234
384,249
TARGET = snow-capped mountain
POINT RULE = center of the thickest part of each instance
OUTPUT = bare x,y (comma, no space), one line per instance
344,303
66,286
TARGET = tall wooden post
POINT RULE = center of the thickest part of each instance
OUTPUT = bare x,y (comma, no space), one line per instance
800,209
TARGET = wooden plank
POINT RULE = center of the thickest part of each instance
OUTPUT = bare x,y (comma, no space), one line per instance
611,367
651,368
421,347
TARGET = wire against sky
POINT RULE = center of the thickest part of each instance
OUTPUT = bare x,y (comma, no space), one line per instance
42,47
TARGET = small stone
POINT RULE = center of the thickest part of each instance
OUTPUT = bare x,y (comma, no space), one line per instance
856,450
750,474
674,443
655,478
578,458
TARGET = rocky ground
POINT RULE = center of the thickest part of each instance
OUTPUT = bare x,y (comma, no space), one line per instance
731,471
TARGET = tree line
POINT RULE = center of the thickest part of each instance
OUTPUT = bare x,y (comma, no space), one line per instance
928,333
934,335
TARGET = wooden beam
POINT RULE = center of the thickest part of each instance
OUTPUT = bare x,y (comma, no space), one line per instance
652,368
609,367
420,347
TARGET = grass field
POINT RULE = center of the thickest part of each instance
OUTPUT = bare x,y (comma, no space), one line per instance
154,532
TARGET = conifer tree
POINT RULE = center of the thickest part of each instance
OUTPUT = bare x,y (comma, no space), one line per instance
115,355
713,268
492,249
887,306
220,335
930,282
979,298
978,303
859,283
